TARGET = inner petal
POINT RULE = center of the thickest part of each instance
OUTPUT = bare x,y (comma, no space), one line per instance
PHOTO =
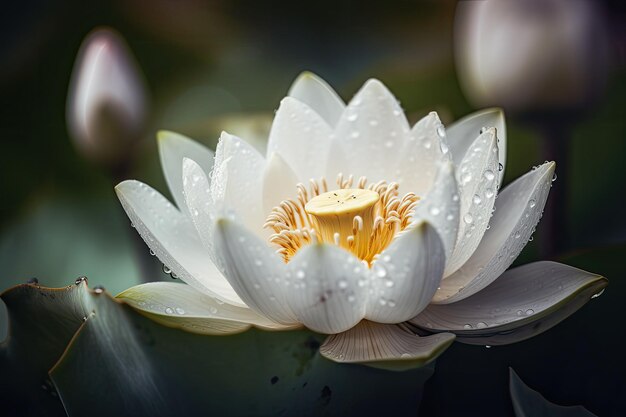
362,219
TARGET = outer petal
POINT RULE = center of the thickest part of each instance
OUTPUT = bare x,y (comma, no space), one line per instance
301,137
370,135
328,288
254,271
173,148
518,210
279,182
440,207
172,237
478,186
384,345
317,94
525,301
179,305
406,275
462,133
236,182
422,155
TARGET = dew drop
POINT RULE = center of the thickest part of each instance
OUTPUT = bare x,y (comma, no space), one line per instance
381,272
300,274
166,269
481,325
351,298
467,326
169,310
466,177
489,175
441,132
554,177
468,218
532,203
598,294
476,199
500,167
352,117
180,311
343,283
98,289
444,147
434,210
530,311
489,193
80,280
152,253
488,346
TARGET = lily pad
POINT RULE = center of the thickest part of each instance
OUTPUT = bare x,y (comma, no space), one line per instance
119,362
529,403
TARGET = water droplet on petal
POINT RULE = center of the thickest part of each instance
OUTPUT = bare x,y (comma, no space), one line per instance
598,294
180,311
481,325
476,199
468,218
532,203
169,310
530,311
98,289
489,175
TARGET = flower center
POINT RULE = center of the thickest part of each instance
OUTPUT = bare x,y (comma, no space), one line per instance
363,220
346,217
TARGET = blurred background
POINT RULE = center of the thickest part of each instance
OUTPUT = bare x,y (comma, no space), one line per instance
557,67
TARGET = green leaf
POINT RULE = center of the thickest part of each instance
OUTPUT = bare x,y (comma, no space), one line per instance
122,363
42,323
529,403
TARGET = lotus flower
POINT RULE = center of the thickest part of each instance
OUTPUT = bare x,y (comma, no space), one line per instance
355,225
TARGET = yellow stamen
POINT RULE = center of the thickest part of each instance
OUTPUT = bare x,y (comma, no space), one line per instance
363,220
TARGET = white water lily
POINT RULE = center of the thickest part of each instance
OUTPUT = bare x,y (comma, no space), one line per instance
356,225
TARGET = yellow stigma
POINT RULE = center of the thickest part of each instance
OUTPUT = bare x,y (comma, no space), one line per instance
345,216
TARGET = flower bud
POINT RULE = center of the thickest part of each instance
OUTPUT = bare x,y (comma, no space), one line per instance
106,105
531,55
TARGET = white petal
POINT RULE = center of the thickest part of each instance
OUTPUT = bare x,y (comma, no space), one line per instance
328,288
181,306
464,131
173,148
406,275
422,155
172,237
371,134
440,207
476,177
236,182
317,94
301,137
198,198
385,345
518,210
279,182
254,271
522,303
